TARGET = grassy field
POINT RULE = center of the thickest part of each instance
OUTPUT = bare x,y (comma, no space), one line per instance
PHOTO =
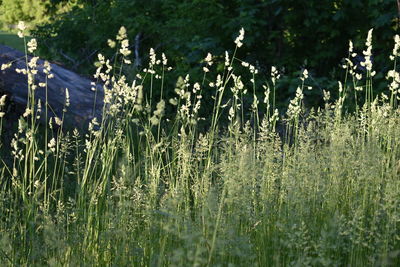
12,40
143,190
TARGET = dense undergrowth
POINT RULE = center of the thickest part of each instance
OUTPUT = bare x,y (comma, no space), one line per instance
143,189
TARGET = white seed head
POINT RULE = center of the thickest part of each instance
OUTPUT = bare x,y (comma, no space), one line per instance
340,87
121,34
164,59
5,66
351,47
3,100
27,112
327,96
67,101
152,57
208,59
32,45
240,38
47,67
304,75
52,144
21,27
227,63
111,43
58,121
396,47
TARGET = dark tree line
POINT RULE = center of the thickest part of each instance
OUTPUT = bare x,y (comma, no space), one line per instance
284,33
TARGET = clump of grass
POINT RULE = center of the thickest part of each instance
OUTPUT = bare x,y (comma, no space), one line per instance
139,188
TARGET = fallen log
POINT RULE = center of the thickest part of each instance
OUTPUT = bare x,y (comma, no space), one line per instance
84,103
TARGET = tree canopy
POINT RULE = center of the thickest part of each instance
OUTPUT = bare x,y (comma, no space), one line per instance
31,11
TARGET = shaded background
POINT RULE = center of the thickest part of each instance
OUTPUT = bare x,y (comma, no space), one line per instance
292,35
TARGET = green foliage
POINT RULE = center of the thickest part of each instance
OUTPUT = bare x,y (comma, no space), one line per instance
31,11
26,10
288,34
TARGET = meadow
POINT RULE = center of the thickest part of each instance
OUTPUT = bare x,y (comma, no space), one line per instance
12,40
256,187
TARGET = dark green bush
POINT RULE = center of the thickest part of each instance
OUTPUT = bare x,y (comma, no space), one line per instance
292,34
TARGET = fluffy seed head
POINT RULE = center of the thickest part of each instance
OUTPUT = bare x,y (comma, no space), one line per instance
240,38
21,27
121,34
3,100
32,45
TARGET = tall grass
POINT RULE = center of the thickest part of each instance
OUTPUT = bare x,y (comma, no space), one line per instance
141,189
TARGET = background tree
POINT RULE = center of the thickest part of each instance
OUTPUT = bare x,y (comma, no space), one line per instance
285,33
33,12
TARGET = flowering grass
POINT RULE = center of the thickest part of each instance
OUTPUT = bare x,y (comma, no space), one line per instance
139,188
